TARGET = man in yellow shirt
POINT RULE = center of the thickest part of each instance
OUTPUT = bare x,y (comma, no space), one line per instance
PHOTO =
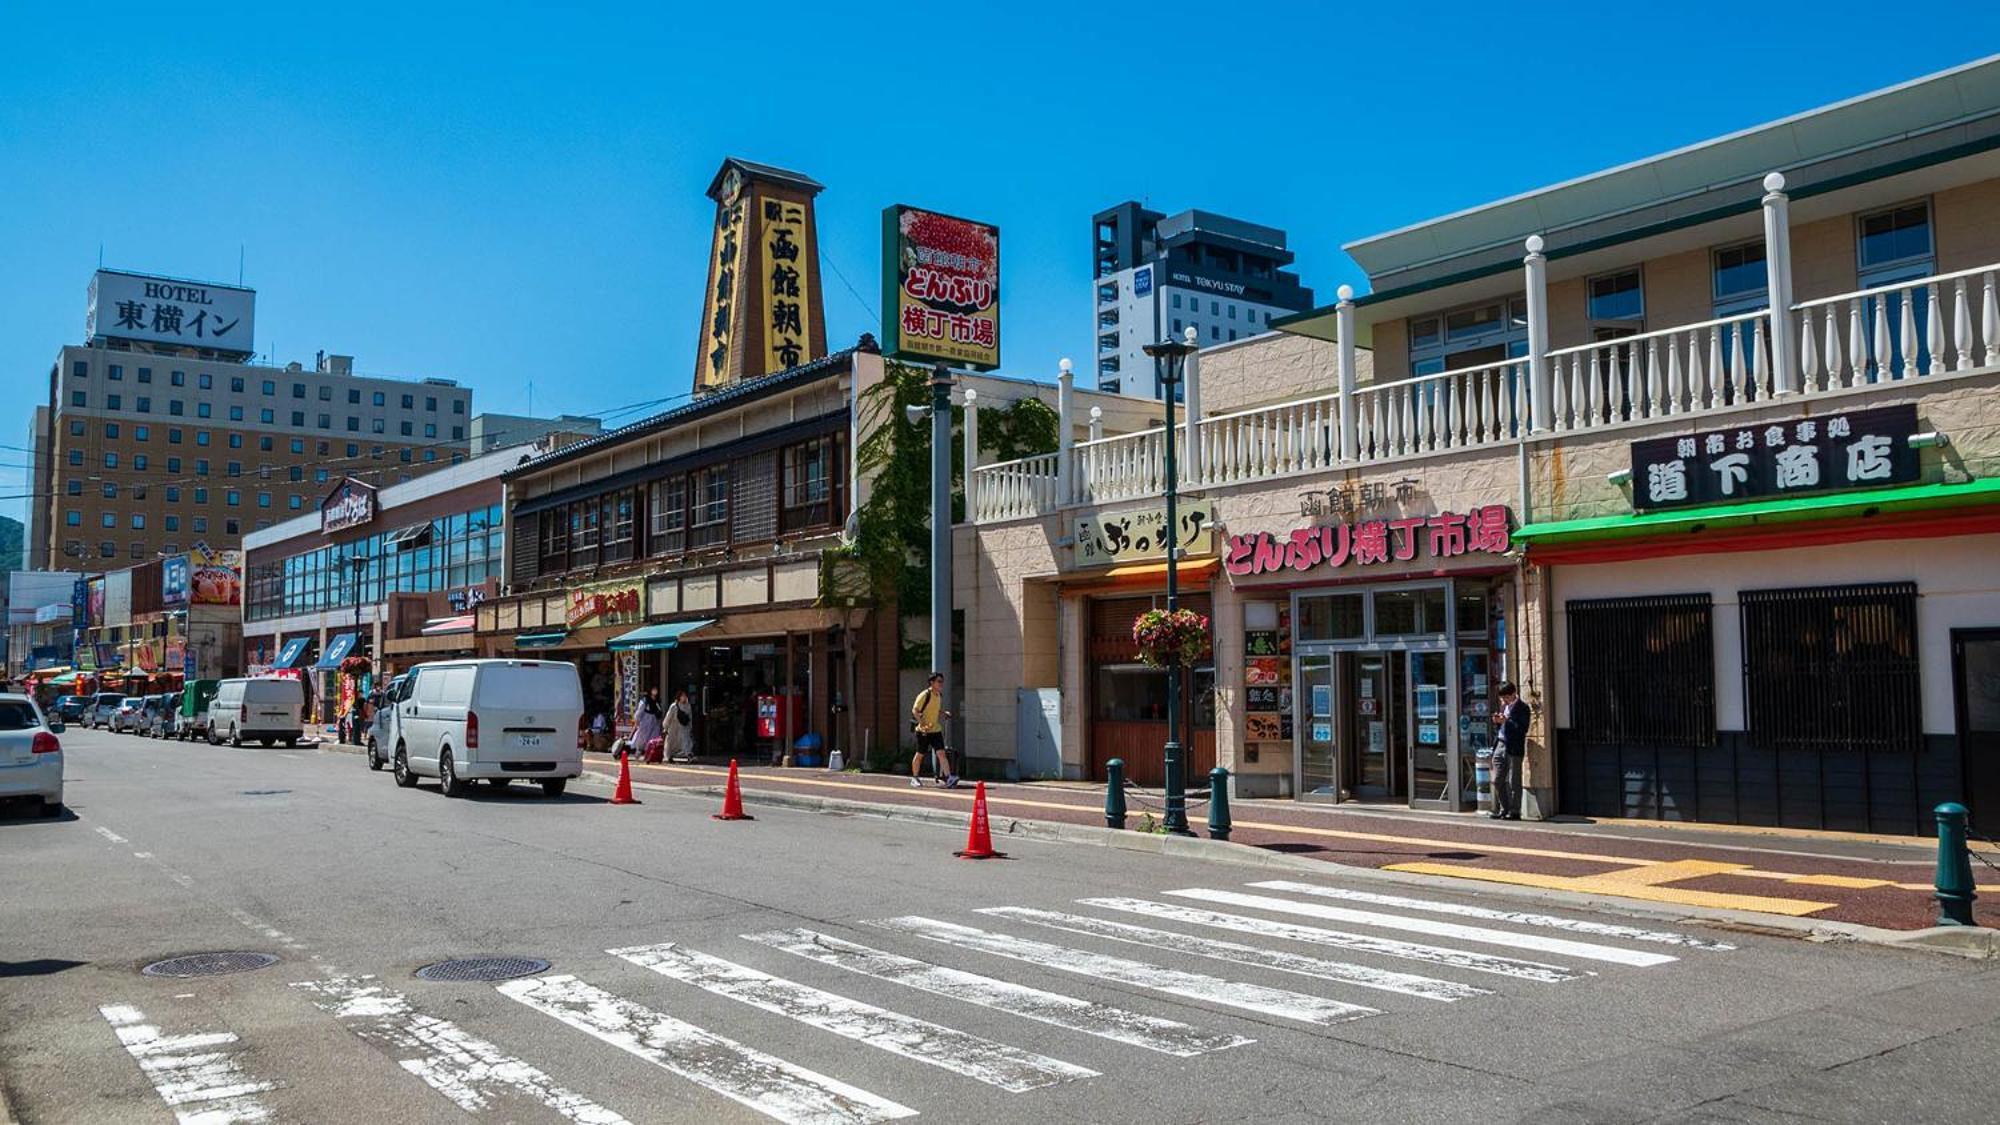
927,716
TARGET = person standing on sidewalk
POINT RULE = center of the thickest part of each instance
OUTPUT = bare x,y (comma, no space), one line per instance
646,726
680,729
1512,721
927,716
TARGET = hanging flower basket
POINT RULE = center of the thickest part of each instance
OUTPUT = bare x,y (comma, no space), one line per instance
355,667
1167,639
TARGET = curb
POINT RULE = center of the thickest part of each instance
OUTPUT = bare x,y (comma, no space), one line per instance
1958,941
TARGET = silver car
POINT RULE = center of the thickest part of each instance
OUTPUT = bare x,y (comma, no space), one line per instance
31,758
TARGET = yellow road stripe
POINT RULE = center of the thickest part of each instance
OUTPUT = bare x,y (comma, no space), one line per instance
1597,885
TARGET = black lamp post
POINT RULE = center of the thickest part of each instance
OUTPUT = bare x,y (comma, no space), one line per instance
1169,357
359,562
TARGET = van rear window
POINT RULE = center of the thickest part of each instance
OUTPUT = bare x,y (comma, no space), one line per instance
17,716
513,686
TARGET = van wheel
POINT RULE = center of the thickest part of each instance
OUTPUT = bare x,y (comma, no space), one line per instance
266,742
291,743
448,782
51,808
404,778
553,786
235,736
374,756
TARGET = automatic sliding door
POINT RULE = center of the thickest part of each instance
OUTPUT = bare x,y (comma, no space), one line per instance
1432,771
1313,703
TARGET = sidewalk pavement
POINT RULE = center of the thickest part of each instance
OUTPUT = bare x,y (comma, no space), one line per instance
1882,881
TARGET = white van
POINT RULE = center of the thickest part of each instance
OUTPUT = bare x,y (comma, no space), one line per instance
262,708
489,720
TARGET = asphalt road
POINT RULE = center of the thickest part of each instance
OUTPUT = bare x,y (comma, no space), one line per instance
805,967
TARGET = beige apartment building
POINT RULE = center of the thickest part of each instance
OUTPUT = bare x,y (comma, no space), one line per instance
149,443
1700,450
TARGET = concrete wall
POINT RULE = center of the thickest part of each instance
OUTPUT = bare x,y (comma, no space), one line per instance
1273,368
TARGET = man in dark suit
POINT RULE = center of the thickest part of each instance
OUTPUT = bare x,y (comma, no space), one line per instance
1512,721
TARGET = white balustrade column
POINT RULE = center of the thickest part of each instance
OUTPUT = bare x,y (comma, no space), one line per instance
1096,423
971,450
1540,387
1065,437
1778,279
1189,452
1350,439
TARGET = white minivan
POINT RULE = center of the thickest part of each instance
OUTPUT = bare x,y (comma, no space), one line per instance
263,709
489,720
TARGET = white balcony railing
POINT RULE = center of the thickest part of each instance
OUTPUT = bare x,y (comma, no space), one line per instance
1925,327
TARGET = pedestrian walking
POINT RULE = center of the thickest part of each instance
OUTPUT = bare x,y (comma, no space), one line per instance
646,726
1512,736
927,716
680,728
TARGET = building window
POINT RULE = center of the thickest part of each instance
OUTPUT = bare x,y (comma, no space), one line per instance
142,433
201,437
109,519
430,403
353,451
205,381
407,429
138,462
110,431
296,472
264,444
325,393
236,384
298,446
201,495
269,387
173,494
376,426
618,530
75,488
267,416
1617,298
354,396
107,549
458,406
110,490
409,402
79,369
319,476
115,372
111,460
263,499
145,404
145,374
326,421
201,466
173,523
353,424
379,399
1642,671
200,524
203,410
298,390
403,455
173,435
113,402
808,490
295,504
233,468
666,516
1740,284
76,427
78,399
177,378
1176,300
1894,242
430,429
458,433
1832,668
76,457
1215,332
430,455
711,506
235,441
138,521
73,518
176,408
232,497
236,414
231,527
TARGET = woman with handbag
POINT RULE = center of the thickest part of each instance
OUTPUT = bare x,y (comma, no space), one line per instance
679,725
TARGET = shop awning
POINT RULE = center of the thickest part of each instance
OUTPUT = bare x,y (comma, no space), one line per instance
1826,506
336,651
403,538
289,655
1142,574
648,637
541,640
64,679
437,626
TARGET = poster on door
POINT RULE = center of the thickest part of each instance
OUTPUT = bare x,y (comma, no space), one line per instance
1263,728
1263,670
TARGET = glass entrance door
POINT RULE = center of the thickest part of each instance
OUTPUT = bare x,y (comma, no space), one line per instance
1371,725
1313,703
1433,767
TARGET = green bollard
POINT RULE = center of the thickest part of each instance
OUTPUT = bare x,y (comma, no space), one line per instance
1218,804
1954,868
1114,793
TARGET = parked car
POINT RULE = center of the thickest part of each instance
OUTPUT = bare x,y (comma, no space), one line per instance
382,728
489,720
31,759
264,709
162,715
192,706
125,716
101,709
70,708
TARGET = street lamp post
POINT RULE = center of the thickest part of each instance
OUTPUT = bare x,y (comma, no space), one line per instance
939,413
359,563
1169,357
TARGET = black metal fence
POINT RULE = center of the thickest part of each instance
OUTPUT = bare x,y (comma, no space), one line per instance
1832,668
1642,671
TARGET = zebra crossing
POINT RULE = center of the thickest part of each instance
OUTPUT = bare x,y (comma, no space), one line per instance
997,986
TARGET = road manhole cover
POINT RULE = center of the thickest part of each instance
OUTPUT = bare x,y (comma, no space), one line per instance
483,968
209,964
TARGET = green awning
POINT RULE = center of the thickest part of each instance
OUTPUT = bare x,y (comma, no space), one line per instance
1833,505
541,640
649,637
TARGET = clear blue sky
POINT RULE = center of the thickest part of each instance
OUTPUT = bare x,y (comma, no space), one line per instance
500,196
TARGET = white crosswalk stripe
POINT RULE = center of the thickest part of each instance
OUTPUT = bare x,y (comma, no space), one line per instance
1538,943
769,1085
1195,986
1408,984
995,1064
468,1070
1361,943
1547,921
198,1075
1154,1033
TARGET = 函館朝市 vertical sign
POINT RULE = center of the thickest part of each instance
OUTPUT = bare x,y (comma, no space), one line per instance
788,273
941,288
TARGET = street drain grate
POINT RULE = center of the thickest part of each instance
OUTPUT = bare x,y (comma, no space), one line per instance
483,968
209,964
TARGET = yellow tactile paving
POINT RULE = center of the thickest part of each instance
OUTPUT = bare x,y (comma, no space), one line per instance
1792,907
1653,875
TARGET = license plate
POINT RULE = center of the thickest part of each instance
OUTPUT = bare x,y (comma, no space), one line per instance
530,739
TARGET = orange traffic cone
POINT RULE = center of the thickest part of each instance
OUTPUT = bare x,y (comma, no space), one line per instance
732,799
624,794
979,841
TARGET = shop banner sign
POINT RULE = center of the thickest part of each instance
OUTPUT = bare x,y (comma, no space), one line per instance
176,579
1124,537
601,602
1830,453
1446,535
350,504
940,288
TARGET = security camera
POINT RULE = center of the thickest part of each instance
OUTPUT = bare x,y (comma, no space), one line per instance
916,414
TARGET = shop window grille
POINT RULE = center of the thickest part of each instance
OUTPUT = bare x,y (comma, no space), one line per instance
1642,671
1832,668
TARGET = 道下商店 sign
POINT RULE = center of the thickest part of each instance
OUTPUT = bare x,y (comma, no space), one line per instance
1828,453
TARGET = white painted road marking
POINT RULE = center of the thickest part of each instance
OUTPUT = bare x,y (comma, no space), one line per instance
1194,986
468,1070
1561,946
996,1064
1363,976
1547,921
1169,1037
767,1084
111,836
1340,939
196,1075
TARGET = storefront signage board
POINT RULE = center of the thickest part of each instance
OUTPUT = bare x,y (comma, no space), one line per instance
1828,453
1136,536
941,288
1446,535
594,603
350,504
